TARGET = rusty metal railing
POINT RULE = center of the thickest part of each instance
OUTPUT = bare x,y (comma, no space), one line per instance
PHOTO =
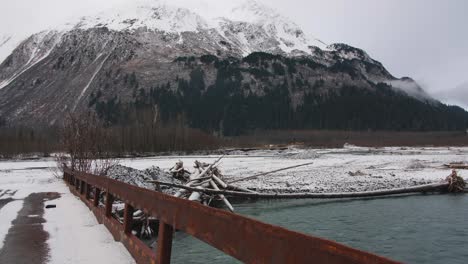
245,239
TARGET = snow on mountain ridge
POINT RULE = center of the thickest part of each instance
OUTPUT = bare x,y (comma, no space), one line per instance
153,17
289,34
163,16
249,26
253,12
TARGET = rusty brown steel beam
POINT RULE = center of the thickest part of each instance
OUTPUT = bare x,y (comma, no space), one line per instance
82,187
88,191
163,253
109,202
128,218
246,239
97,194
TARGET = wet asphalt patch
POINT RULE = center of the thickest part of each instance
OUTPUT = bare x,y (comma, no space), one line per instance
26,239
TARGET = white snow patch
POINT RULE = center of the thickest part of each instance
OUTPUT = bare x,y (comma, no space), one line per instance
98,69
75,236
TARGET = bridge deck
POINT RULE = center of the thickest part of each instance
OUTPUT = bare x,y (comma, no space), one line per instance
29,233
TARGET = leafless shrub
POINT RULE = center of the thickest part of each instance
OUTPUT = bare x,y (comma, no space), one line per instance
86,143
61,159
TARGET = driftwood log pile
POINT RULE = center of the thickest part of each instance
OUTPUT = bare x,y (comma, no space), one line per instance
456,184
179,172
205,177
207,183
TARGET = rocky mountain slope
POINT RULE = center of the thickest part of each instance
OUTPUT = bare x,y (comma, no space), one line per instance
112,62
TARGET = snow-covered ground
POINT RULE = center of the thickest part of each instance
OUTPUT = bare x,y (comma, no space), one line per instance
376,168
76,237
74,234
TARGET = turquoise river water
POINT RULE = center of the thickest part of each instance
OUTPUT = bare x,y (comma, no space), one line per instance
411,229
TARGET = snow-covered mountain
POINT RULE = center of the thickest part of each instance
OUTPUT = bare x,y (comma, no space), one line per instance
250,27
126,50
33,50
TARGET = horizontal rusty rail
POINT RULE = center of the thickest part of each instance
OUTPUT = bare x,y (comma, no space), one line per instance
245,239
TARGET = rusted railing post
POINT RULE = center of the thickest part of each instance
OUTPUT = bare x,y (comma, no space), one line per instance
82,187
88,191
109,202
128,218
77,184
97,193
163,252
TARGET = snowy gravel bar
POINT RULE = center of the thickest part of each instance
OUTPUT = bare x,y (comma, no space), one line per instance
348,169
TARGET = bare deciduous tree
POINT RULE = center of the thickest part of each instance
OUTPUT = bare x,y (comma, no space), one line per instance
86,142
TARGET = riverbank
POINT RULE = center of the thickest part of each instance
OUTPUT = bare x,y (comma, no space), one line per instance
347,169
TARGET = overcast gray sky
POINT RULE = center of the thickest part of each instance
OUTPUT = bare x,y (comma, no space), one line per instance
423,39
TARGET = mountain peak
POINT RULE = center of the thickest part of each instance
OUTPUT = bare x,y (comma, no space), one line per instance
254,12
289,34
154,15
237,29
250,25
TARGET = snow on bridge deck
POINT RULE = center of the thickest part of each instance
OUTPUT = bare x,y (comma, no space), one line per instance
73,234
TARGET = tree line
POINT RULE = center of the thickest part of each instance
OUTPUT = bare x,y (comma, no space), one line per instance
190,114
229,108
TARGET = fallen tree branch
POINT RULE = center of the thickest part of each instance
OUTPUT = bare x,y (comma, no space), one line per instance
270,172
219,181
415,189
459,166
240,189
200,179
223,198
